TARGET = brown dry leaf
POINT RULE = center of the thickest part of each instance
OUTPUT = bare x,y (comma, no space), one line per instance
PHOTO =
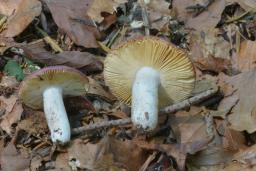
235,166
96,89
71,17
107,154
97,7
243,114
11,160
20,14
8,103
7,7
247,56
245,4
209,18
246,156
6,43
34,123
86,62
158,13
190,126
173,150
204,21
210,51
11,117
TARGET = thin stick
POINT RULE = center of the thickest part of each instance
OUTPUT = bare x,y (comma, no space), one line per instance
170,109
145,18
103,124
186,103
49,40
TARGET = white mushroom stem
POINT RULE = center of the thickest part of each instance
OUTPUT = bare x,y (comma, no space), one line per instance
56,115
145,98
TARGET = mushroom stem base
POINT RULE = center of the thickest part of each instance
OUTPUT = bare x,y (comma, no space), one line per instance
145,98
56,115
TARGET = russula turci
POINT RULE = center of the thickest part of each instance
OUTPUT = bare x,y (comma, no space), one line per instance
149,73
45,88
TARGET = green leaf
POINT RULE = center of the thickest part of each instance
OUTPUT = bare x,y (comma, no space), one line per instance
13,68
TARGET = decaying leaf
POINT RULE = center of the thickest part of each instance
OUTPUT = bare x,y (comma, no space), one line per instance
74,21
20,14
86,62
209,18
97,7
204,21
210,51
6,43
108,154
12,116
11,160
34,123
243,114
247,56
158,13
245,4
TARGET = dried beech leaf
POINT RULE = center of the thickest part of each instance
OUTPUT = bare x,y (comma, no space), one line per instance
208,19
11,160
106,155
97,7
243,114
210,51
11,117
245,4
86,62
247,56
74,20
23,13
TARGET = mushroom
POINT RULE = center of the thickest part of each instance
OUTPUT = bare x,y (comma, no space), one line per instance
148,73
45,89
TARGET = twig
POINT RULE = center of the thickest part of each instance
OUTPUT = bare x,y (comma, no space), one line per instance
145,17
103,124
49,40
186,103
170,109
236,18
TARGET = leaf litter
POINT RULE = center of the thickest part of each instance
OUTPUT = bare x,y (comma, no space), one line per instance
208,134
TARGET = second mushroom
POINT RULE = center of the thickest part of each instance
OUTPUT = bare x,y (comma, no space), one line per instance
149,73
45,89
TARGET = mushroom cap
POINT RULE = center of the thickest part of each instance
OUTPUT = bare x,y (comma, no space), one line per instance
177,74
72,82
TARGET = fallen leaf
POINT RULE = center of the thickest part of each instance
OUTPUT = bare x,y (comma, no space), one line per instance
210,51
34,123
11,117
6,43
209,18
204,21
7,7
243,114
8,103
189,126
74,21
20,15
11,160
107,154
245,4
86,62
97,7
247,155
247,56
158,14
95,89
